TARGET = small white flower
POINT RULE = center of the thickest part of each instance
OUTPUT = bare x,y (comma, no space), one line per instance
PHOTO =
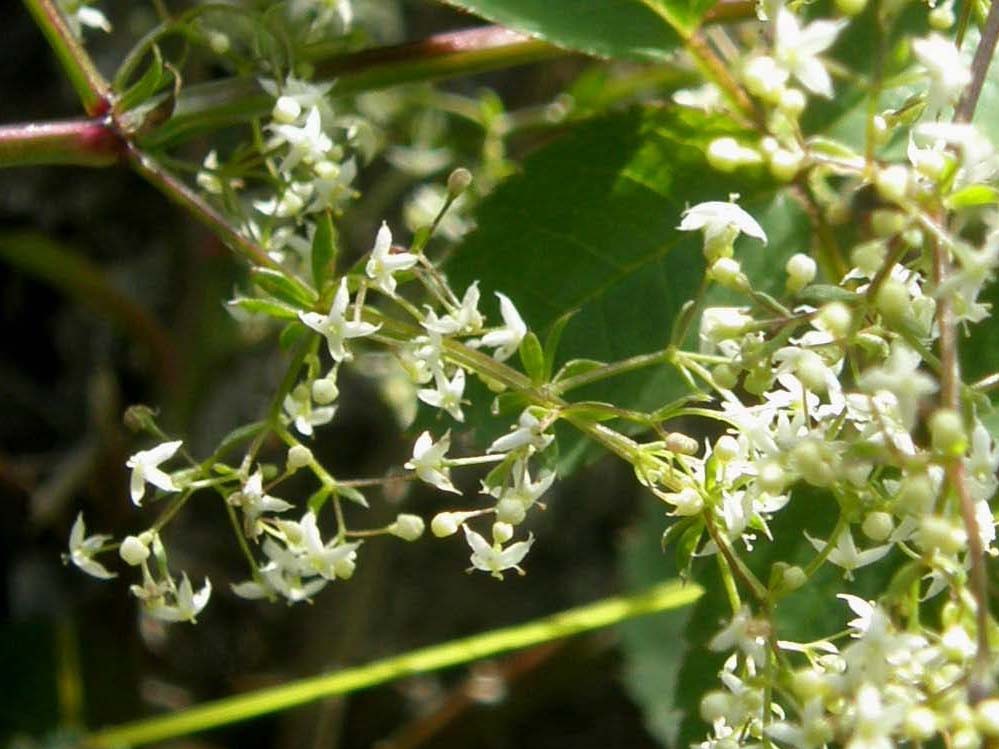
464,319
254,502
493,558
901,377
429,462
82,549
529,432
332,560
145,470
507,339
720,221
745,633
307,144
447,395
947,70
846,554
336,327
187,604
298,405
384,264
797,49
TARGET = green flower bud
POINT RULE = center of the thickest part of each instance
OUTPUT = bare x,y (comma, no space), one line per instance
947,433
851,7
920,724
407,527
324,391
893,301
299,456
511,511
878,526
801,271
458,181
133,551
892,182
445,524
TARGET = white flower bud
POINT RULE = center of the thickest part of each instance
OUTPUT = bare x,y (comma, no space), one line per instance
286,110
677,442
893,301
785,165
869,256
407,527
344,568
942,17
324,391
714,705
299,456
725,376
727,448
920,723
808,683
835,318
502,532
685,502
887,223
801,271
811,370
771,477
133,551
792,102
727,154
916,495
817,463
965,738
326,169
947,433
764,78
445,524
727,272
936,532
511,511
219,42
458,181
878,526
793,577
892,182
987,717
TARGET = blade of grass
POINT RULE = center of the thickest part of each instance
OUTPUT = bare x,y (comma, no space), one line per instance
254,704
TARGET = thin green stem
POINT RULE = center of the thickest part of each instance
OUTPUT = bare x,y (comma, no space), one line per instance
230,710
612,370
87,142
86,79
965,110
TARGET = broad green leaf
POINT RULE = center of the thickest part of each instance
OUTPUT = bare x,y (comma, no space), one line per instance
532,357
626,29
590,224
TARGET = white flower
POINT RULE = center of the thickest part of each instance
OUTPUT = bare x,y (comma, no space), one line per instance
82,549
464,319
947,70
493,558
528,433
187,604
901,377
447,395
745,633
383,263
332,560
721,223
335,326
797,49
254,502
298,405
145,469
514,501
507,339
429,462
307,143
846,555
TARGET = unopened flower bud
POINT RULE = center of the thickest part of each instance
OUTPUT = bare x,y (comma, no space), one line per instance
893,301
727,154
727,272
987,717
916,495
725,376
502,532
807,683
942,17
726,448
801,271
458,181
887,223
784,164
407,527
792,102
133,551
299,456
869,256
793,577
947,433
817,463
714,705
892,182
511,511
344,568
920,723
812,371
219,42
965,738
326,169
764,78
851,7
835,318
324,391
140,418
676,442
685,502
936,532
445,524
286,110
771,477
878,526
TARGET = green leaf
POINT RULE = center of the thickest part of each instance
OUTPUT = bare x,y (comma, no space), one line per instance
552,341
269,307
626,29
577,367
972,196
349,492
533,358
590,224
281,286
148,84
324,250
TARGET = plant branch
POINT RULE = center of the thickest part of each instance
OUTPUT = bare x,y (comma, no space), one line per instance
979,66
178,192
86,79
233,101
84,142
242,707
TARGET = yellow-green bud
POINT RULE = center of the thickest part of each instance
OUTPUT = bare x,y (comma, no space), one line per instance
947,433
299,456
407,527
458,181
133,551
878,526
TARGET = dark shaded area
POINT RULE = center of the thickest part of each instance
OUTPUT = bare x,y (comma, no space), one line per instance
66,375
